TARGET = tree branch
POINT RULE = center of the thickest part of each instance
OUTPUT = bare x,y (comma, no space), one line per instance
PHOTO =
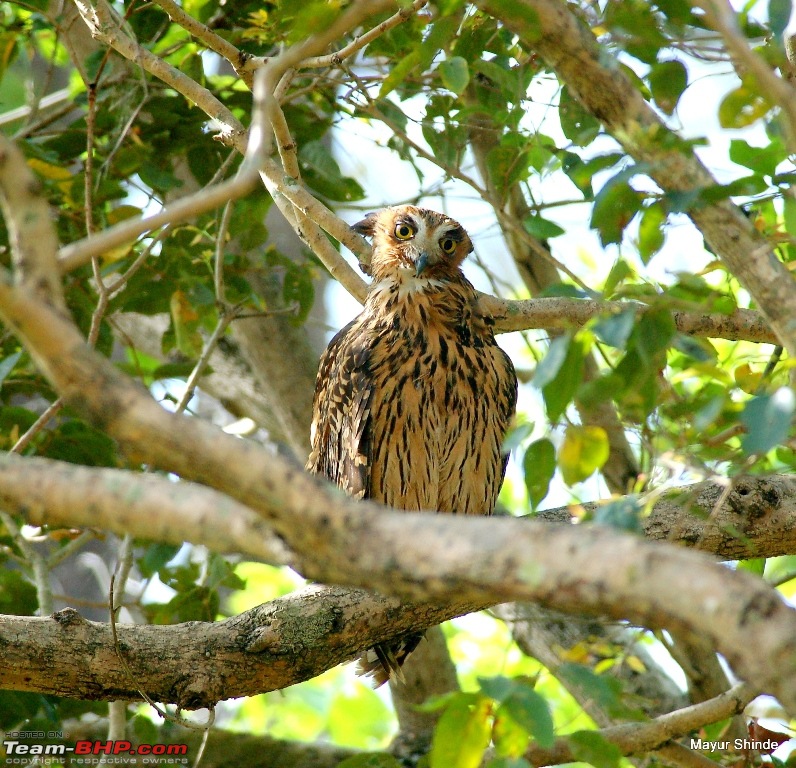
147,506
481,560
286,641
639,738
571,50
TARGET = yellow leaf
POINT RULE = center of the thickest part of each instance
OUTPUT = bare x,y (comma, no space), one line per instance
636,664
747,379
49,171
123,212
583,451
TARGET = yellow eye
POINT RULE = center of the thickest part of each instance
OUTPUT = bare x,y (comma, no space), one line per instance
404,231
447,244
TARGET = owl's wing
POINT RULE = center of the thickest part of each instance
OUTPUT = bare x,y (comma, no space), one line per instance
342,428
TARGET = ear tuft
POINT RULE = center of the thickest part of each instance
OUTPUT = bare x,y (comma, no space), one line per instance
367,226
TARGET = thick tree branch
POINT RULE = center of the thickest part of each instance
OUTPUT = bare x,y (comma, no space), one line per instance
289,640
562,313
147,506
480,560
569,47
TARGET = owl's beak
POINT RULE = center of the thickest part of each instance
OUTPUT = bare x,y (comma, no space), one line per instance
421,263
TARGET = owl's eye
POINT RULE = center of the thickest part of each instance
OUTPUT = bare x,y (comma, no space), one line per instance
447,244
404,231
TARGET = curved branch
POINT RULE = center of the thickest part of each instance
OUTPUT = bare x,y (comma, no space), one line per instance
638,738
147,506
81,252
106,27
291,639
562,313
480,560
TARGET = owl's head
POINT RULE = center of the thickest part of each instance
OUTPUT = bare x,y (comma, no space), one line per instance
414,241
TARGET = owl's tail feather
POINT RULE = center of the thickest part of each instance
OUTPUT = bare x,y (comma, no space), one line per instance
384,661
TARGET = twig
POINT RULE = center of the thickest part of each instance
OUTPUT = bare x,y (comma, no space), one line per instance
78,253
53,409
162,712
358,43
105,26
227,315
214,42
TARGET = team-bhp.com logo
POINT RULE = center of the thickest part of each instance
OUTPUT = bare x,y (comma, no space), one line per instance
85,747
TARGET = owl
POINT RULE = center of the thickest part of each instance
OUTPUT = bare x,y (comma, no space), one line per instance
414,396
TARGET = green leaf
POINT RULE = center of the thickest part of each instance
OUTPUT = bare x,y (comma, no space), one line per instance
80,443
620,271
762,160
497,688
559,392
516,435
462,733
422,56
155,557
650,231
623,514
7,365
185,320
605,691
616,329
539,465
551,364
372,760
529,710
592,748
455,74
577,123
510,739
653,334
17,594
542,228
323,174
700,350
779,13
767,419
614,207
583,451
667,81
756,565
581,172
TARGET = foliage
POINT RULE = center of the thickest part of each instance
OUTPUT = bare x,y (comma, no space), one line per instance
436,94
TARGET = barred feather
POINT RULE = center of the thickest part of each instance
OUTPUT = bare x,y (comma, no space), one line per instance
413,397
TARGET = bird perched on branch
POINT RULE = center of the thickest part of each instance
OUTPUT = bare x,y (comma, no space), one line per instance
414,396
